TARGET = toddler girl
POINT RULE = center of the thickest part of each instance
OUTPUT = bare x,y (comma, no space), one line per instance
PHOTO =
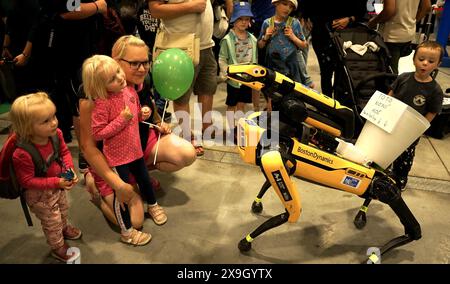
34,122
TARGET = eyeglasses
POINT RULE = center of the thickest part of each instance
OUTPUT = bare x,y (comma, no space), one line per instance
135,65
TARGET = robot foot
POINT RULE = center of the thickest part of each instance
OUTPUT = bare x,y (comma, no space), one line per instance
244,245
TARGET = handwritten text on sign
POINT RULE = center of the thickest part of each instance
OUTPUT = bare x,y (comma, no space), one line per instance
383,111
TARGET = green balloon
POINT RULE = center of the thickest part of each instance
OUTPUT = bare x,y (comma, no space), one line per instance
172,73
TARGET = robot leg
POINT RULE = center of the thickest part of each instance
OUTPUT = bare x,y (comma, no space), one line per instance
360,218
257,206
277,176
385,190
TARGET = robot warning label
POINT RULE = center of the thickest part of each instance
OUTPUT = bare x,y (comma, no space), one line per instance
351,181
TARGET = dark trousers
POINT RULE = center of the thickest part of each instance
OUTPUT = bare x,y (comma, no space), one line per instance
65,98
327,57
402,165
122,215
140,173
397,50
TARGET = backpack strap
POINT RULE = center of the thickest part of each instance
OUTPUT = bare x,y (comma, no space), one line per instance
288,22
55,156
26,212
41,166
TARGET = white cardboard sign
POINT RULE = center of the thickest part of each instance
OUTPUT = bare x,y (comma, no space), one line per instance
384,111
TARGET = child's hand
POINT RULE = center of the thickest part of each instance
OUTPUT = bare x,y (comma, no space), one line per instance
126,113
68,184
65,184
289,33
269,33
145,112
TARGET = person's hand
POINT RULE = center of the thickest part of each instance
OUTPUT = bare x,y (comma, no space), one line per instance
102,7
164,128
145,112
20,60
65,184
221,79
6,53
198,6
289,33
341,23
124,194
269,33
126,113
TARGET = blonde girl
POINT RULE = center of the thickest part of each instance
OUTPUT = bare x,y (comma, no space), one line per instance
34,122
115,121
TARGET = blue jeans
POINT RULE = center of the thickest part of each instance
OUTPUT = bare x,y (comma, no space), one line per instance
304,76
288,67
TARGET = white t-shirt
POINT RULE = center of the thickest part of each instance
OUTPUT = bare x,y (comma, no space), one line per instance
200,24
402,27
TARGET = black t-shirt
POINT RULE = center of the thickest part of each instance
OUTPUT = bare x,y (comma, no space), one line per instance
147,25
423,97
73,40
322,13
21,23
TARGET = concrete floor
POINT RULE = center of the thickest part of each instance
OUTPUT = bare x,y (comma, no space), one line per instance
208,206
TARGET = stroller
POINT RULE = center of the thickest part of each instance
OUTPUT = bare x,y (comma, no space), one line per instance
357,76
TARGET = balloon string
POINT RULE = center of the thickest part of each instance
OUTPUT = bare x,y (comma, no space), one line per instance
159,136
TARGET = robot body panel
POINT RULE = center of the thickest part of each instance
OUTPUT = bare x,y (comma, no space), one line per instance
330,170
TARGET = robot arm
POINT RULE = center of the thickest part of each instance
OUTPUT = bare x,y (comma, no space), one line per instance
322,112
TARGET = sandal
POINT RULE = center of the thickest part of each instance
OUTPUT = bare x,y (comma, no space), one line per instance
136,238
61,254
158,215
71,233
199,151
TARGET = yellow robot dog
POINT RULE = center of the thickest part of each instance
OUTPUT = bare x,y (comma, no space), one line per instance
307,125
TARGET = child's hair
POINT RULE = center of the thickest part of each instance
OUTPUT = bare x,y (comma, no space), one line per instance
95,72
120,46
431,45
23,113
